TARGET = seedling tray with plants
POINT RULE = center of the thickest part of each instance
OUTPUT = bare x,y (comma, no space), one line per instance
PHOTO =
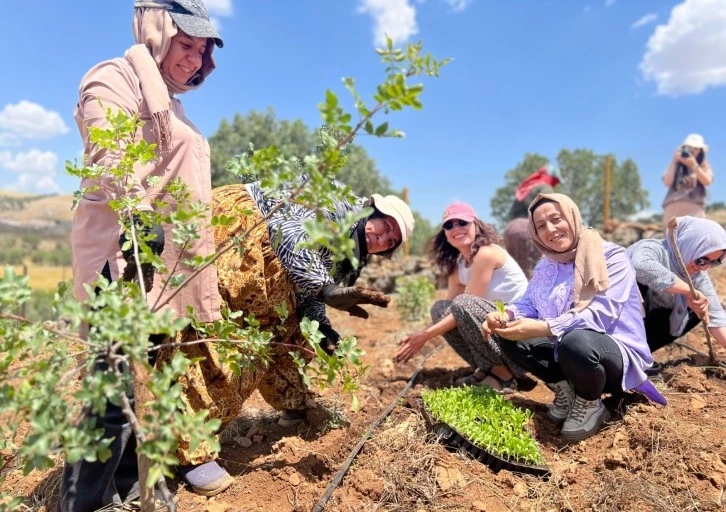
486,425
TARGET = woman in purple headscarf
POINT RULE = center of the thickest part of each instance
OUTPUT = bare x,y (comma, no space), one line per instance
670,308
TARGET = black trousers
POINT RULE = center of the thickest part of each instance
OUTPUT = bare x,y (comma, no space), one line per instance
657,324
89,486
590,360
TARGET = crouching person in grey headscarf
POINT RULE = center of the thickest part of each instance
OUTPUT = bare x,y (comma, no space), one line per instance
670,308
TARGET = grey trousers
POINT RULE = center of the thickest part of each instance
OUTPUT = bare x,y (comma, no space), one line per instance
89,486
466,338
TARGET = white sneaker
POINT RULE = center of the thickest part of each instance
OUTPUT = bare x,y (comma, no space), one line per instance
564,397
586,419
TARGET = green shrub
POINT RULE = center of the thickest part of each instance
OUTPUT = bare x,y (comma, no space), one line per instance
415,294
12,256
487,420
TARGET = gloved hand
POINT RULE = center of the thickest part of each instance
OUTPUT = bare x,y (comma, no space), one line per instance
330,342
156,243
348,298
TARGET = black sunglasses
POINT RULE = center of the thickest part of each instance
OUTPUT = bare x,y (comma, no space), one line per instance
705,262
450,224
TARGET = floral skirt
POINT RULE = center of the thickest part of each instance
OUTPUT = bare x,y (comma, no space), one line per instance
251,280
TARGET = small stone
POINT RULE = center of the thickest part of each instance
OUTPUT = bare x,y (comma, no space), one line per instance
294,479
697,403
218,506
243,442
520,489
258,438
618,438
616,457
448,477
252,432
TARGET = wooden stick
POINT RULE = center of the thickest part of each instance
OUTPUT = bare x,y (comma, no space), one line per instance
721,364
320,505
672,225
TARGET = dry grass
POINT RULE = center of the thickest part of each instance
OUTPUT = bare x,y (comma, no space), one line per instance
45,208
44,278
405,467
718,216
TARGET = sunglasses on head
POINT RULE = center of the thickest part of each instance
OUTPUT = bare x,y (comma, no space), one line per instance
451,224
706,262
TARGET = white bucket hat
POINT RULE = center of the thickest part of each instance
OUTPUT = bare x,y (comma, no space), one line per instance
695,140
397,209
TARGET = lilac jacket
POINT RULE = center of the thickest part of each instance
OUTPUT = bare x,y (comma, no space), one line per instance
616,312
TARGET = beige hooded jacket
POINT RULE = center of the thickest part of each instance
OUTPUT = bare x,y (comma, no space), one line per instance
95,230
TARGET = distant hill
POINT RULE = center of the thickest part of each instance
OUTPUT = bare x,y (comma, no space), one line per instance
45,214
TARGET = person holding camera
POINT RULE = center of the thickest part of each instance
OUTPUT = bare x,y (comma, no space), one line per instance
687,177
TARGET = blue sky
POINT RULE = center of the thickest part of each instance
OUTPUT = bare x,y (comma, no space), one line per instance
623,76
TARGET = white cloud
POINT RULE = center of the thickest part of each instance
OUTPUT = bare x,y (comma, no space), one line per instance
32,121
36,170
219,7
8,139
216,23
459,5
688,54
648,18
393,18
609,3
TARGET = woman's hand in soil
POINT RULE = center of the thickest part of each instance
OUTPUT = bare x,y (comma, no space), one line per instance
409,345
523,329
494,320
699,304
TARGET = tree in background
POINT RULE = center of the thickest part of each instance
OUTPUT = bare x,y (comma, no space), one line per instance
421,235
582,172
263,129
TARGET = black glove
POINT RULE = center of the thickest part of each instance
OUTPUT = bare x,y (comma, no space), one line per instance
348,298
153,237
330,342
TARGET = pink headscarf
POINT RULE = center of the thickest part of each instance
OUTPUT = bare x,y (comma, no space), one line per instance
153,31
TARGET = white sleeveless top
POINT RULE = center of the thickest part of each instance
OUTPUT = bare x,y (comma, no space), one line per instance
507,284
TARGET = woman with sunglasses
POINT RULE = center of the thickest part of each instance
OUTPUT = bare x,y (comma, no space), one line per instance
670,309
480,272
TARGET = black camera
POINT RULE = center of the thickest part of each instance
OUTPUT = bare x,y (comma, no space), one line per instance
685,151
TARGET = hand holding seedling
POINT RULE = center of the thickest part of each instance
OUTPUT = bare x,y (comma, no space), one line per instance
522,329
493,321
409,345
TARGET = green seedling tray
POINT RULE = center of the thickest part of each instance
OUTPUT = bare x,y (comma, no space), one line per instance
455,441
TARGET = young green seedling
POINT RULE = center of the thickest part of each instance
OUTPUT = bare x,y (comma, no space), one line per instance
487,420
501,308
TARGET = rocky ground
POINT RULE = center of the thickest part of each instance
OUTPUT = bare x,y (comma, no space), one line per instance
648,458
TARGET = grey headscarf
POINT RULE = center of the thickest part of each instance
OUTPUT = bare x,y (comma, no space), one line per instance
695,238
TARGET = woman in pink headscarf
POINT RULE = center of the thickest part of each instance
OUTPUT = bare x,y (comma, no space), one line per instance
173,55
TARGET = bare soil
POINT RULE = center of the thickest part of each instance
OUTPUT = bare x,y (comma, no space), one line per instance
649,458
